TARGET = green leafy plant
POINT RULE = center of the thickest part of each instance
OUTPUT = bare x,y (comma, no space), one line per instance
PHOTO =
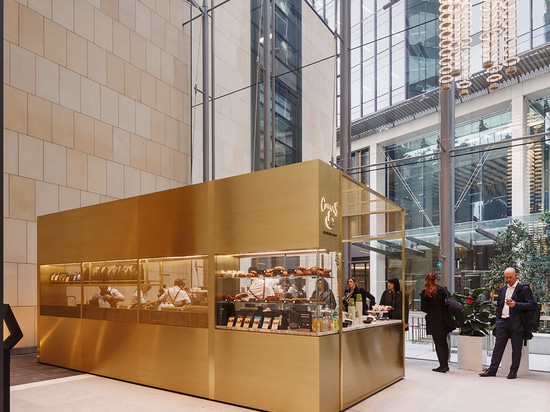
479,310
526,248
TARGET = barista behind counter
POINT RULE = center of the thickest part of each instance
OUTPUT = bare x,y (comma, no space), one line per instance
107,297
175,296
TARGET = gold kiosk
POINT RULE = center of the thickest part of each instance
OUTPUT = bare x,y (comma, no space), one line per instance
259,259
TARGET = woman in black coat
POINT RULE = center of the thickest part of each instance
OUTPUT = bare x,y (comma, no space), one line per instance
352,291
393,297
432,301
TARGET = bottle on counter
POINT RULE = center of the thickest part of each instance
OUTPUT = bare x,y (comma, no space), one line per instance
359,308
351,309
335,325
315,324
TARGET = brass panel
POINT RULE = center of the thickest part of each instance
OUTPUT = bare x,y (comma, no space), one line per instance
277,372
275,209
279,209
59,342
174,358
372,359
109,231
174,222
59,238
110,349
329,192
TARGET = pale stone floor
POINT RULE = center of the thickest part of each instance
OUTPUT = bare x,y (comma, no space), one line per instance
420,390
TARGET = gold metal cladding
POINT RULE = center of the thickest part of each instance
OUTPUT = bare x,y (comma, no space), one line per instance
174,222
297,207
241,355
110,348
176,360
60,342
169,223
275,209
59,237
372,359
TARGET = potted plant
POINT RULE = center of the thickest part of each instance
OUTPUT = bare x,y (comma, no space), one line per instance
480,319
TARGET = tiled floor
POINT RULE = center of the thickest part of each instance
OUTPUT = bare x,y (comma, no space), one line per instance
26,369
422,390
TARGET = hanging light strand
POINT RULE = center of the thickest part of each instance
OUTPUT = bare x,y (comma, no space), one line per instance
464,13
445,44
510,36
499,44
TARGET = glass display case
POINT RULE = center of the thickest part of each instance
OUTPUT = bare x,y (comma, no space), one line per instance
175,292
92,290
60,290
109,285
291,292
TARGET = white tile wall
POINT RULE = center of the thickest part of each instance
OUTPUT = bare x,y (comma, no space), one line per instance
103,30
147,182
31,243
109,106
22,65
11,155
41,6
84,19
15,241
47,79
47,198
63,13
10,281
90,96
55,164
27,289
121,147
132,181
97,175
115,180
69,198
69,89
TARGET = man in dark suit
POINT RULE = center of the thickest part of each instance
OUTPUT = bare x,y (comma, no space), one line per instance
513,299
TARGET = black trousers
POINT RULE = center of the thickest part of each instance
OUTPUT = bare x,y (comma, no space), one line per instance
504,332
442,349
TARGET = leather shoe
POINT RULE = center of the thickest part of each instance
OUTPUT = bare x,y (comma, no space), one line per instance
512,375
441,369
488,372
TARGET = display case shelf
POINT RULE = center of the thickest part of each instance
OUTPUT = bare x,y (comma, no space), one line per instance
295,292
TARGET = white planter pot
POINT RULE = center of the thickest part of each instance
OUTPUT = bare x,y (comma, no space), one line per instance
470,353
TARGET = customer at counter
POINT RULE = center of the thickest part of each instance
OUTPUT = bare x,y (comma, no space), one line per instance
323,294
393,297
352,291
107,297
176,295
432,302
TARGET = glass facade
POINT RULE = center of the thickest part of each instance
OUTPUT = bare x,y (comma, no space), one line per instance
422,46
481,175
539,122
395,46
498,176
286,71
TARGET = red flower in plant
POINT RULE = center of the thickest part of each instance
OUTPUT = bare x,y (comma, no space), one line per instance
470,300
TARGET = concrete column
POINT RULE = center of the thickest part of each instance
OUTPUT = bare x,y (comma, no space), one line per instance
521,180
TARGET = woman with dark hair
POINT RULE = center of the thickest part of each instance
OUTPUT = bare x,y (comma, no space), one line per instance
352,291
393,297
323,294
432,302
